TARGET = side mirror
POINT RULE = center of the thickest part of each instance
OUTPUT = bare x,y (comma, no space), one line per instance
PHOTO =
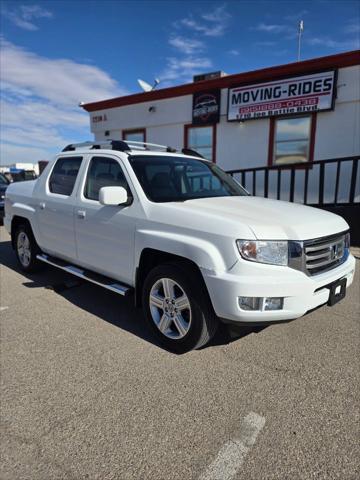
113,196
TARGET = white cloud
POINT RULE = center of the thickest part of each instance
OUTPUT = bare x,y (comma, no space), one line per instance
186,45
40,96
219,15
23,16
274,28
192,63
15,112
211,24
190,42
274,46
296,16
334,44
58,80
181,70
234,52
33,136
352,27
23,154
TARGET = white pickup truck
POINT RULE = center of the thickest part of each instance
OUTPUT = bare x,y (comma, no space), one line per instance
181,235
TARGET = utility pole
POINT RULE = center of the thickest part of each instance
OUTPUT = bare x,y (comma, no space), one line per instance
301,29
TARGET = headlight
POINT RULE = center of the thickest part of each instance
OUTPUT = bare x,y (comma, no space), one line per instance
272,252
347,240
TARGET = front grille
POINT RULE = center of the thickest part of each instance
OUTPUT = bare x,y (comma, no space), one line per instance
325,253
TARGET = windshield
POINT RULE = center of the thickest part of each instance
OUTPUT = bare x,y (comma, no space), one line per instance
3,180
176,179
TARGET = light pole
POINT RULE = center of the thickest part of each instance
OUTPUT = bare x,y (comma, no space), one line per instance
301,29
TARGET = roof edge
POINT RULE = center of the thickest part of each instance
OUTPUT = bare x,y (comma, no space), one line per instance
346,59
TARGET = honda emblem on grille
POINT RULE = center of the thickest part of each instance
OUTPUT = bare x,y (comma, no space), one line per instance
335,252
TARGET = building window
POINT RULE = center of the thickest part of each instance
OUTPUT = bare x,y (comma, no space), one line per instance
292,140
202,139
138,135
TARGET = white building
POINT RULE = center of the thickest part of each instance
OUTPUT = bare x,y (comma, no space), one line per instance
266,120
299,112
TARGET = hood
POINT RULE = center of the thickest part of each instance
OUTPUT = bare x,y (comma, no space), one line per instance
268,219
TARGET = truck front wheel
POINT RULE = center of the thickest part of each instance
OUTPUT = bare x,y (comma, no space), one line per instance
177,309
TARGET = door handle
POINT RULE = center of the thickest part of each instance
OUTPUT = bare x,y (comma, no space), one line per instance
42,205
81,213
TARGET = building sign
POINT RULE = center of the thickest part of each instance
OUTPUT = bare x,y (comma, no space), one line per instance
303,94
206,107
99,118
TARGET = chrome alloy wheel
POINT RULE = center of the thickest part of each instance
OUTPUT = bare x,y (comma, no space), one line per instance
170,308
23,249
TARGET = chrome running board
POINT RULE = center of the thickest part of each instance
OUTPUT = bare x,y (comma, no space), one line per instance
92,277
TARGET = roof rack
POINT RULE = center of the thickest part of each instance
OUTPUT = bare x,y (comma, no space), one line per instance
96,145
146,145
190,151
122,146
119,145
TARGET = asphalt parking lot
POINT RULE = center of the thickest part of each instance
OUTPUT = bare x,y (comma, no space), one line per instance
86,394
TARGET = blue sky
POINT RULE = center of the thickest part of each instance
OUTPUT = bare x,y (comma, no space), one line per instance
58,53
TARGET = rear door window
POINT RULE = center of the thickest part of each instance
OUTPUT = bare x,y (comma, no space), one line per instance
64,174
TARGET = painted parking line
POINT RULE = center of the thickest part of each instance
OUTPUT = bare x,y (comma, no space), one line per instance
232,455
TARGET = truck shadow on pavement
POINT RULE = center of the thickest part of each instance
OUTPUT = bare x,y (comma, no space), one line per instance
106,305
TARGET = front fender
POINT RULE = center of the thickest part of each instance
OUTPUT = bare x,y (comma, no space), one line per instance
203,253
19,209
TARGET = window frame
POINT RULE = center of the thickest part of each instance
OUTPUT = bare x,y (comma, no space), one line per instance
133,130
86,173
213,146
74,190
272,143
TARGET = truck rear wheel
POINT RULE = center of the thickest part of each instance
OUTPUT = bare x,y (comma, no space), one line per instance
177,309
26,248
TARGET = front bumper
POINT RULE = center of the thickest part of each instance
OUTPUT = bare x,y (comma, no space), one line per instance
300,292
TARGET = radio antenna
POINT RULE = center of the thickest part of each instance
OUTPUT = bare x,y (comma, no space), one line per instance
301,29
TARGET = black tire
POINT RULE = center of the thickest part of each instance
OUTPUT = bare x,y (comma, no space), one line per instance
31,264
202,322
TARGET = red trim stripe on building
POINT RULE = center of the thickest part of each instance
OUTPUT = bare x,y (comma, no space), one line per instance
314,65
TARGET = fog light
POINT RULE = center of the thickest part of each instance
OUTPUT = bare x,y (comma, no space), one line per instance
249,303
273,303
